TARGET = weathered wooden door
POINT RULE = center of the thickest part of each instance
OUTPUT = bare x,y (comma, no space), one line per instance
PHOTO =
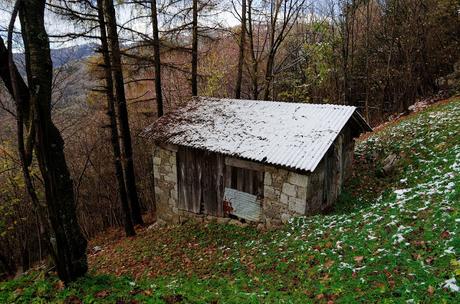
212,183
189,180
200,181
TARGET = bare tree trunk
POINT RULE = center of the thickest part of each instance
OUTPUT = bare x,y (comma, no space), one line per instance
351,79
254,61
16,86
345,52
239,76
157,58
128,222
24,114
194,47
283,16
122,112
368,24
18,89
274,9
69,243
269,74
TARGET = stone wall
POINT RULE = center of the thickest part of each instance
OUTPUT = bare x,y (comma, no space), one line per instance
166,193
288,193
285,195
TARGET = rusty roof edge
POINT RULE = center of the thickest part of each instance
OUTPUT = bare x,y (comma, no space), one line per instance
145,131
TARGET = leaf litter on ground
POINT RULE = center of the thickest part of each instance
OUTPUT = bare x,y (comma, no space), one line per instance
393,238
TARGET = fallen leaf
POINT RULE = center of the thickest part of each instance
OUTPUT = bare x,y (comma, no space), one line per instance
148,292
59,285
73,300
101,294
416,256
418,243
325,278
445,234
431,290
358,259
329,263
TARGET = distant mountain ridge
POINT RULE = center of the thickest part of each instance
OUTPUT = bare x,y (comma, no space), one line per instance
63,56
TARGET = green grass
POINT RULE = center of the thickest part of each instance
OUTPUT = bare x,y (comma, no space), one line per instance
392,239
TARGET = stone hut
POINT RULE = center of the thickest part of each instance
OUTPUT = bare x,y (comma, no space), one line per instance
253,161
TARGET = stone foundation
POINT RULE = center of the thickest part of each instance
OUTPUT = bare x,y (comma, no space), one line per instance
166,193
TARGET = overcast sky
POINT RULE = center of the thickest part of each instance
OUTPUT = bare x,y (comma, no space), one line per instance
57,26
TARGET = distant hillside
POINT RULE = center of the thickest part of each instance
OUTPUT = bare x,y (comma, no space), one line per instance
63,56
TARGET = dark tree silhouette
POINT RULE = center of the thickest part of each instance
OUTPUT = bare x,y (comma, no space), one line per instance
157,59
127,217
194,47
122,111
239,75
68,243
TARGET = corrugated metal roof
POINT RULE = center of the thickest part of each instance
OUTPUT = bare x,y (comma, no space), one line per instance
295,135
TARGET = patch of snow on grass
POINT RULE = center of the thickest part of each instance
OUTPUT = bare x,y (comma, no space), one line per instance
451,284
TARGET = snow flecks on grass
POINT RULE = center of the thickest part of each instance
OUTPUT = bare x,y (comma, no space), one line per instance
452,285
413,228
393,237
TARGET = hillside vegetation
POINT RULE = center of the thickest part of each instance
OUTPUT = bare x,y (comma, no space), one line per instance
394,238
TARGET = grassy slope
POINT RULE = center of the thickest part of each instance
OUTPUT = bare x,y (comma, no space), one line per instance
393,239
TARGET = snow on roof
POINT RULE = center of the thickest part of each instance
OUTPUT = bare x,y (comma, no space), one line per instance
295,135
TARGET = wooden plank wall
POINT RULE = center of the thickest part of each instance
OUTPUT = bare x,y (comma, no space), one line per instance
203,176
212,183
334,171
189,179
325,182
200,181
348,152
